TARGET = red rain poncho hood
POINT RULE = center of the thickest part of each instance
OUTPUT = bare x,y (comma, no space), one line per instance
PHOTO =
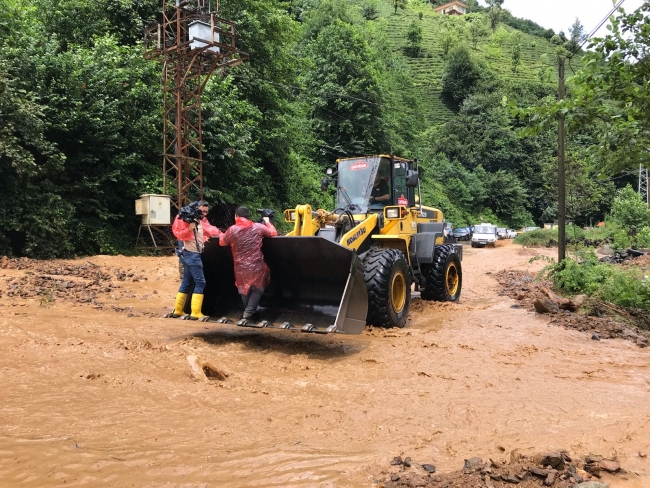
245,239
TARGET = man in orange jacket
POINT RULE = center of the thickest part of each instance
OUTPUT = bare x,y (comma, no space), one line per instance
252,274
193,237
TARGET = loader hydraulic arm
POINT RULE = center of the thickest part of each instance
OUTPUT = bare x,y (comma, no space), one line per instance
306,223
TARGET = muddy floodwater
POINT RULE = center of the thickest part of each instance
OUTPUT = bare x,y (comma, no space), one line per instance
100,392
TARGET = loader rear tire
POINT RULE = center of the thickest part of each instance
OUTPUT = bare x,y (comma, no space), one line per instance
386,274
444,278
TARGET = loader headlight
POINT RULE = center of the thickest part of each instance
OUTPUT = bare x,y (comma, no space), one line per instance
290,215
392,213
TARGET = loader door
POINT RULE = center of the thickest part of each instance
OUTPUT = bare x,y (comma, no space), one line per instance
402,195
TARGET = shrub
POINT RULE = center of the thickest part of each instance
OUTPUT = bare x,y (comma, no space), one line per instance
624,288
585,274
370,10
629,210
536,238
414,39
621,240
643,238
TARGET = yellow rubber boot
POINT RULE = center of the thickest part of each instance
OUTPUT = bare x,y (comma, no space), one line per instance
181,298
197,303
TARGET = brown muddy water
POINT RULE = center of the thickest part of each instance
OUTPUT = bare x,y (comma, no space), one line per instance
98,397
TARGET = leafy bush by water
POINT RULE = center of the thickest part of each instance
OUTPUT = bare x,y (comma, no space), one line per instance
585,274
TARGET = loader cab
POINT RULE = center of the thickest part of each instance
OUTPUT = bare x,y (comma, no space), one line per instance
360,178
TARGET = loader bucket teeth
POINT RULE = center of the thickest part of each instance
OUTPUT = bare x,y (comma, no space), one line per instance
316,286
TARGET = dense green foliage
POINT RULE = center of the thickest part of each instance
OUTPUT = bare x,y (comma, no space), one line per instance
627,225
609,93
585,274
629,210
80,114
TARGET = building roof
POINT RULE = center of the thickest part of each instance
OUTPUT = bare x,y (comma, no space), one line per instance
450,4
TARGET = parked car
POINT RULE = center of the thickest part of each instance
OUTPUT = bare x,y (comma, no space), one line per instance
462,234
501,232
511,233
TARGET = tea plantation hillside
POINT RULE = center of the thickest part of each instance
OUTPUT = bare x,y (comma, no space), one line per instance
428,68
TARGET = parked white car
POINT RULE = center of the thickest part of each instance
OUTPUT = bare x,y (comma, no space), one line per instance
511,234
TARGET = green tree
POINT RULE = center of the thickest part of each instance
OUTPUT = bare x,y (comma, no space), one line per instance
629,210
495,14
609,94
578,36
448,39
344,92
370,9
500,37
271,37
587,197
508,198
461,74
477,28
414,39
545,72
401,4
516,50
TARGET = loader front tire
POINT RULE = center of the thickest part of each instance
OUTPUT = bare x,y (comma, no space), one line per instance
389,288
444,278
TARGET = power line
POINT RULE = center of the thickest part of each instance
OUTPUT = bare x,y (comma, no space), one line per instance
597,28
331,94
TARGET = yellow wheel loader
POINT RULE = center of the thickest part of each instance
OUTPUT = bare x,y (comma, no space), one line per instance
339,270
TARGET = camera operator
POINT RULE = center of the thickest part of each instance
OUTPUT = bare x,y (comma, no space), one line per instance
192,228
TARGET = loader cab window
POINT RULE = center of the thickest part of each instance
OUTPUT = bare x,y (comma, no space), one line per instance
380,194
353,183
402,195
361,181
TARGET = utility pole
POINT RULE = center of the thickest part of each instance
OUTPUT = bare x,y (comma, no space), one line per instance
191,43
561,169
644,187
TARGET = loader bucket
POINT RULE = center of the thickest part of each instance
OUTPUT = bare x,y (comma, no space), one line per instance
316,286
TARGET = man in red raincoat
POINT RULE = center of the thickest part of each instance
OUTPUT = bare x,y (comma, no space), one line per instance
193,237
252,274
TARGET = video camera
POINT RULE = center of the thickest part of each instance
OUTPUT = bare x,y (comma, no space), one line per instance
266,212
191,213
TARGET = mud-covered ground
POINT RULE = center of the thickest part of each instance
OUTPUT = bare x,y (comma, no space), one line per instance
98,390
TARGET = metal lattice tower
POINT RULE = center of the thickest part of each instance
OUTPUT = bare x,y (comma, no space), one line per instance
644,187
191,43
